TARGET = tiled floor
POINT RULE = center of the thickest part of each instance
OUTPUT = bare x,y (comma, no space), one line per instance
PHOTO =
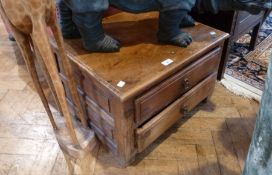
213,140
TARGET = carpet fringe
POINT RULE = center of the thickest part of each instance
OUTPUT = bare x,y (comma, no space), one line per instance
237,88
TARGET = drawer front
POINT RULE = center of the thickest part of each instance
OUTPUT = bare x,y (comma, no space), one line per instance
245,22
161,96
164,120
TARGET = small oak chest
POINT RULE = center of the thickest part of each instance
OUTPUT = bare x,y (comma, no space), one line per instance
133,96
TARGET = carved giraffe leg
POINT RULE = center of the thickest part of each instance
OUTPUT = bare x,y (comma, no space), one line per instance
24,45
48,79
40,39
68,69
80,161
69,163
23,42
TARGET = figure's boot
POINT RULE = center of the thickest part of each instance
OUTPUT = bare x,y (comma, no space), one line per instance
252,6
92,32
169,28
68,28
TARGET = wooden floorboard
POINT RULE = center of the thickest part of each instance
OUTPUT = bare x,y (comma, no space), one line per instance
211,140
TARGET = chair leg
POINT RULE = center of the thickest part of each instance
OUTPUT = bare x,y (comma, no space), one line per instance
254,37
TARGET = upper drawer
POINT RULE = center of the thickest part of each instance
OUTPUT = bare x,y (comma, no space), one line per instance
165,93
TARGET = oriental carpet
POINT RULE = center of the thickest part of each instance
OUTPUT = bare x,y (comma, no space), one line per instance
246,70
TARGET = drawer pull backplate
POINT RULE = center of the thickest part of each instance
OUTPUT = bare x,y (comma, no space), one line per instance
187,84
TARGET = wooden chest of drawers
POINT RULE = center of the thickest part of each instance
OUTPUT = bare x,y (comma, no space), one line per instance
130,97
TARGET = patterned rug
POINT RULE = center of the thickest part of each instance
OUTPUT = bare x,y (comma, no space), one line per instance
246,70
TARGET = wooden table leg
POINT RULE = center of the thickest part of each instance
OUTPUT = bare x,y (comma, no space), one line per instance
224,59
254,37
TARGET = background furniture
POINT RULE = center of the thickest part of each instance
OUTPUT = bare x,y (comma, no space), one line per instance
237,23
131,98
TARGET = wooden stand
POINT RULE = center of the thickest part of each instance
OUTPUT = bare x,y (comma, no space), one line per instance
134,96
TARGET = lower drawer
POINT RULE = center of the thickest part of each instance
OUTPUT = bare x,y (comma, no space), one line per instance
164,120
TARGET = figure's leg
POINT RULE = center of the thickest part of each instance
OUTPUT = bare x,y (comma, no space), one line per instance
187,21
40,39
92,32
185,5
68,28
68,69
169,28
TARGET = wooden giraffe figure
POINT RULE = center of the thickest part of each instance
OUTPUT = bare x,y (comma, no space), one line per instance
29,20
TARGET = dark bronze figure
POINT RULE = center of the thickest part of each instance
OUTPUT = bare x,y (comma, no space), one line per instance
84,18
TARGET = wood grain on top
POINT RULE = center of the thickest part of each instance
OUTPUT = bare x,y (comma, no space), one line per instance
138,63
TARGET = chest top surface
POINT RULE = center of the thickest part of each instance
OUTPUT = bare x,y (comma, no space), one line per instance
139,62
